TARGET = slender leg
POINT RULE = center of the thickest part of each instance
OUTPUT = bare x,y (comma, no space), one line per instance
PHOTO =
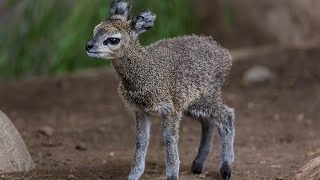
142,141
226,132
170,137
205,145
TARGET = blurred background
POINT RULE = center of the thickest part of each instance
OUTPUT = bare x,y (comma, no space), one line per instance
66,107
47,37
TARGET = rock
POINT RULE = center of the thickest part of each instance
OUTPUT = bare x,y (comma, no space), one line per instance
81,146
310,171
14,155
276,166
112,154
51,143
287,22
258,74
71,176
290,22
46,130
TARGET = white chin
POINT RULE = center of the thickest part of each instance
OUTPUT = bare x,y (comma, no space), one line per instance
95,55
100,55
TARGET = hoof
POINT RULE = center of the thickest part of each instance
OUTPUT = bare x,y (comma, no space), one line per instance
172,177
196,168
225,171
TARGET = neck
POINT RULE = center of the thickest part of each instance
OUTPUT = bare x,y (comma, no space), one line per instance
130,66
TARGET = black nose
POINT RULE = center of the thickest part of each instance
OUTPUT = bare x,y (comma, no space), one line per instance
89,46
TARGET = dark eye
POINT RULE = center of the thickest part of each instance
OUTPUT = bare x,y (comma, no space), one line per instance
111,41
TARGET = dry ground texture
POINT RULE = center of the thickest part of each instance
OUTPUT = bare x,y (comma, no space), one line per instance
91,136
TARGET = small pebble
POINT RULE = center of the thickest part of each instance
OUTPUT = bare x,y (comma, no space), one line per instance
112,154
258,74
71,176
300,117
250,105
46,130
81,146
277,117
51,143
263,162
202,175
276,166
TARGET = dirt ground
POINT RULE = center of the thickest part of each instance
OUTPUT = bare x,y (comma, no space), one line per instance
277,124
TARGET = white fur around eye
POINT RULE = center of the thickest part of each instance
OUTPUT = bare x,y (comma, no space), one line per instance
115,47
117,35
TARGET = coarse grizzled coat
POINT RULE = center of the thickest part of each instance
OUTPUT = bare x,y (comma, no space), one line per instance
169,78
172,74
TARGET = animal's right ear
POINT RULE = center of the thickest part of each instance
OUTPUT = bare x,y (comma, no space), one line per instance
143,21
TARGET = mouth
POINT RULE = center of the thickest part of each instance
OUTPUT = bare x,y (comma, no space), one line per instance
94,52
99,54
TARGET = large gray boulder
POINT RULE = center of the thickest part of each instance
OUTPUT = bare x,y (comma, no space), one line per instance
292,23
14,155
311,171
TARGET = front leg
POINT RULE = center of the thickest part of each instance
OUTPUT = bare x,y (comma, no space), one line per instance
170,137
141,146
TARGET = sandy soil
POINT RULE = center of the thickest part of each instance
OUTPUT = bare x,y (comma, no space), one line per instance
277,124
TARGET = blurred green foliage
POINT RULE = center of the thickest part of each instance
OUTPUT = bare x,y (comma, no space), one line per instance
48,37
229,16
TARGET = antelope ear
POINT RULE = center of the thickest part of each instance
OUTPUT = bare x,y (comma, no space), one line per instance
95,30
120,8
143,22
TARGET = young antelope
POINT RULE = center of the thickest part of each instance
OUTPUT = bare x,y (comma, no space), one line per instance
169,78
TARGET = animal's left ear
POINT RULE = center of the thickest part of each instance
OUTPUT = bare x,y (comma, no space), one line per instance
120,8
143,22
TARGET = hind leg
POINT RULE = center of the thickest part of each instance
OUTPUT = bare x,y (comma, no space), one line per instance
202,110
205,145
226,132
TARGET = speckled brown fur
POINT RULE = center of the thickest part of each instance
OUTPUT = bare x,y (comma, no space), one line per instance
176,71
